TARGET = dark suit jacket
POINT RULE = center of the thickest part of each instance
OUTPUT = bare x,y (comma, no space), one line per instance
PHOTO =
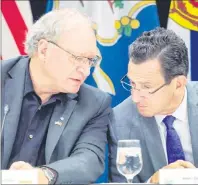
127,123
76,150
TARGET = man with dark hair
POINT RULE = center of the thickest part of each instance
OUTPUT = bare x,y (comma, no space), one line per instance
163,112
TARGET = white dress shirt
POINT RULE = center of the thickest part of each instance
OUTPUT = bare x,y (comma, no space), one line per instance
181,126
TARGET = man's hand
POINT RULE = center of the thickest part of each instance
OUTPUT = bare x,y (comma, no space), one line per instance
21,165
177,164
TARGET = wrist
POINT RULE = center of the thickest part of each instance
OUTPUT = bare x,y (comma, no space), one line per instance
50,174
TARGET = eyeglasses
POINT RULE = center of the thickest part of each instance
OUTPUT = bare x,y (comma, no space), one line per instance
126,83
79,59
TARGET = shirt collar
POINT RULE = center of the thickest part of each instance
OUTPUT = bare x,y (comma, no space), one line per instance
180,113
28,82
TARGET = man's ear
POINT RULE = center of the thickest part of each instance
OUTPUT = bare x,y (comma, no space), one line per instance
181,81
42,48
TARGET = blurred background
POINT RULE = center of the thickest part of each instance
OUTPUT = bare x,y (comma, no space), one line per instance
117,23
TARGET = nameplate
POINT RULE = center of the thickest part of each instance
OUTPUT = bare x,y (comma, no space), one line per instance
178,176
19,176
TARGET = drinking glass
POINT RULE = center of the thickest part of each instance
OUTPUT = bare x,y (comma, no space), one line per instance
129,158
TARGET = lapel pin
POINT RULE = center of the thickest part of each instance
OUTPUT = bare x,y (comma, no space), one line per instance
61,118
58,123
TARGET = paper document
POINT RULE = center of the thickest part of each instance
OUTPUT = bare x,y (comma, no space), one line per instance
178,176
19,176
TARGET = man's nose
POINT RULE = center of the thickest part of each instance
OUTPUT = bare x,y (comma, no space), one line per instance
135,96
84,70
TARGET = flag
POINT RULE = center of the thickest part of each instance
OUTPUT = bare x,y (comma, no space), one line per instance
17,17
183,18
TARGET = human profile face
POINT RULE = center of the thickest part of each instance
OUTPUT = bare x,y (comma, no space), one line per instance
61,65
146,77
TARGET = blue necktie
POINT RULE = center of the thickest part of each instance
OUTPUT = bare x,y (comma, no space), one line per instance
173,144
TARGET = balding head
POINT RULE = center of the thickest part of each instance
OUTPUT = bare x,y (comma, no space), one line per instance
52,25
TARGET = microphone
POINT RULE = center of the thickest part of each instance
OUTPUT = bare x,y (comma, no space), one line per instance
6,110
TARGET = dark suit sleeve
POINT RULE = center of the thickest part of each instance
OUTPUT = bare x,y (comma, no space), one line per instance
114,175
86,162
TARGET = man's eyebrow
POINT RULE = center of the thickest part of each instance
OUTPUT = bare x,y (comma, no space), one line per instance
145,83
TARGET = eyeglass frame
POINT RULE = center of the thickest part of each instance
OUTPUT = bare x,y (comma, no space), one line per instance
93,63
153,92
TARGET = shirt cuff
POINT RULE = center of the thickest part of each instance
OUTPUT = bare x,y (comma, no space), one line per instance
148,181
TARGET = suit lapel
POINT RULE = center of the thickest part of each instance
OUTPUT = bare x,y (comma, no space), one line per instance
58,123
153,142
13,95
193,118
